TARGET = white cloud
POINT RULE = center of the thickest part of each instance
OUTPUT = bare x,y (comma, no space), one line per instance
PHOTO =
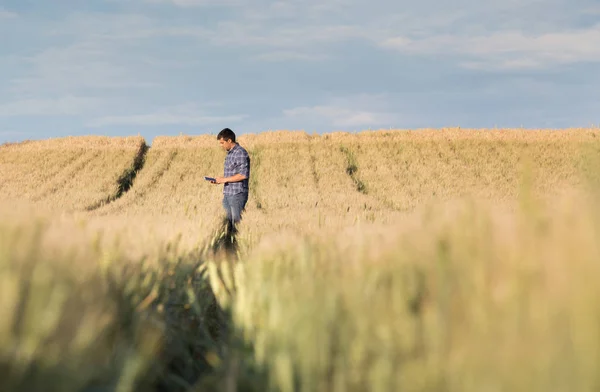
88,51
122,56
11,133
268,8
255,34
196,3
4,14
188,114
593,10
74,68
96,26
508,49
287,55
340,116
69,105
162,119
284,25
289,10
276,43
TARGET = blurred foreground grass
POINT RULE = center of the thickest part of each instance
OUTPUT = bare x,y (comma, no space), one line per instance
462,297
91,318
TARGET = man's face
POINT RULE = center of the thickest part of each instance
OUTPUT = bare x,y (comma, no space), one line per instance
226,144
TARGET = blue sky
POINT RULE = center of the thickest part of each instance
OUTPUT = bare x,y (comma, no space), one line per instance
165,67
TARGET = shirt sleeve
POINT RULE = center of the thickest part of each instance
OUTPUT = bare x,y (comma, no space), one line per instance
242,165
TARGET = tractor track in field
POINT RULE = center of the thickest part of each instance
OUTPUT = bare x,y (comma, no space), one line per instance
352,170
157,171
315,175
125,180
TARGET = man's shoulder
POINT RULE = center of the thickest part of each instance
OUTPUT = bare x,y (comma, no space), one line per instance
241,150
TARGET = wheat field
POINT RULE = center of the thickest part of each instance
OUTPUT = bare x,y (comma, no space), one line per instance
391,260
69,174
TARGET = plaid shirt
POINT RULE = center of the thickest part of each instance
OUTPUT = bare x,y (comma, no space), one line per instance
236,162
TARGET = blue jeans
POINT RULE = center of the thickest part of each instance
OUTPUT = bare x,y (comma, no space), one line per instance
234,205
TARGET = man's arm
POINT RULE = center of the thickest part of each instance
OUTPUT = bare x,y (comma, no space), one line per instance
242,164
235,178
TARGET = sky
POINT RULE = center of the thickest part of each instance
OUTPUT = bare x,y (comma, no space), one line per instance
170,67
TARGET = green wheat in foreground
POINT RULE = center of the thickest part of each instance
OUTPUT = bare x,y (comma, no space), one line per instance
467,301
89,317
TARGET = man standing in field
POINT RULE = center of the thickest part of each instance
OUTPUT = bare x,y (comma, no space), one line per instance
236,175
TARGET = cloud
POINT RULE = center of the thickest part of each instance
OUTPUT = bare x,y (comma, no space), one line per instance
287,55
88,51
69,105
196,3
188,114
282,25
270,42
340,116
275,42
347,112
593,10
135,57
508,49
162,119
255,34
262,8
11,133
79,67
4,14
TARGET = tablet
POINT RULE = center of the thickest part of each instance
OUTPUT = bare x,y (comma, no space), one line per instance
210,179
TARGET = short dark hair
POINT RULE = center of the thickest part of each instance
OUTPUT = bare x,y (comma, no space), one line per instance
226,134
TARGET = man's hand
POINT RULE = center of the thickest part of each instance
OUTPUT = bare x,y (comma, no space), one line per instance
225,180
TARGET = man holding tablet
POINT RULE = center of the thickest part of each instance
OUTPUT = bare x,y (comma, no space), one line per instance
236,175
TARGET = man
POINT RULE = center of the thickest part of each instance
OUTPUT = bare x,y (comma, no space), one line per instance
236,175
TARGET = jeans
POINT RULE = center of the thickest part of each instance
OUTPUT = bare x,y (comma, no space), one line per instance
234,205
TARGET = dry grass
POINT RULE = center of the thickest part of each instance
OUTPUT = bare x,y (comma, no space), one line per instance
458,298
170,197
302,183
172,182
414,167
390,260
89,310
67,174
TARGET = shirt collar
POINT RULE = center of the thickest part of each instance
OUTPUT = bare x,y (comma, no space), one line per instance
234,147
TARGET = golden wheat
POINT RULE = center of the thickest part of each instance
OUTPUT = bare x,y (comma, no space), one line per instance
383,260
459,299
71,173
